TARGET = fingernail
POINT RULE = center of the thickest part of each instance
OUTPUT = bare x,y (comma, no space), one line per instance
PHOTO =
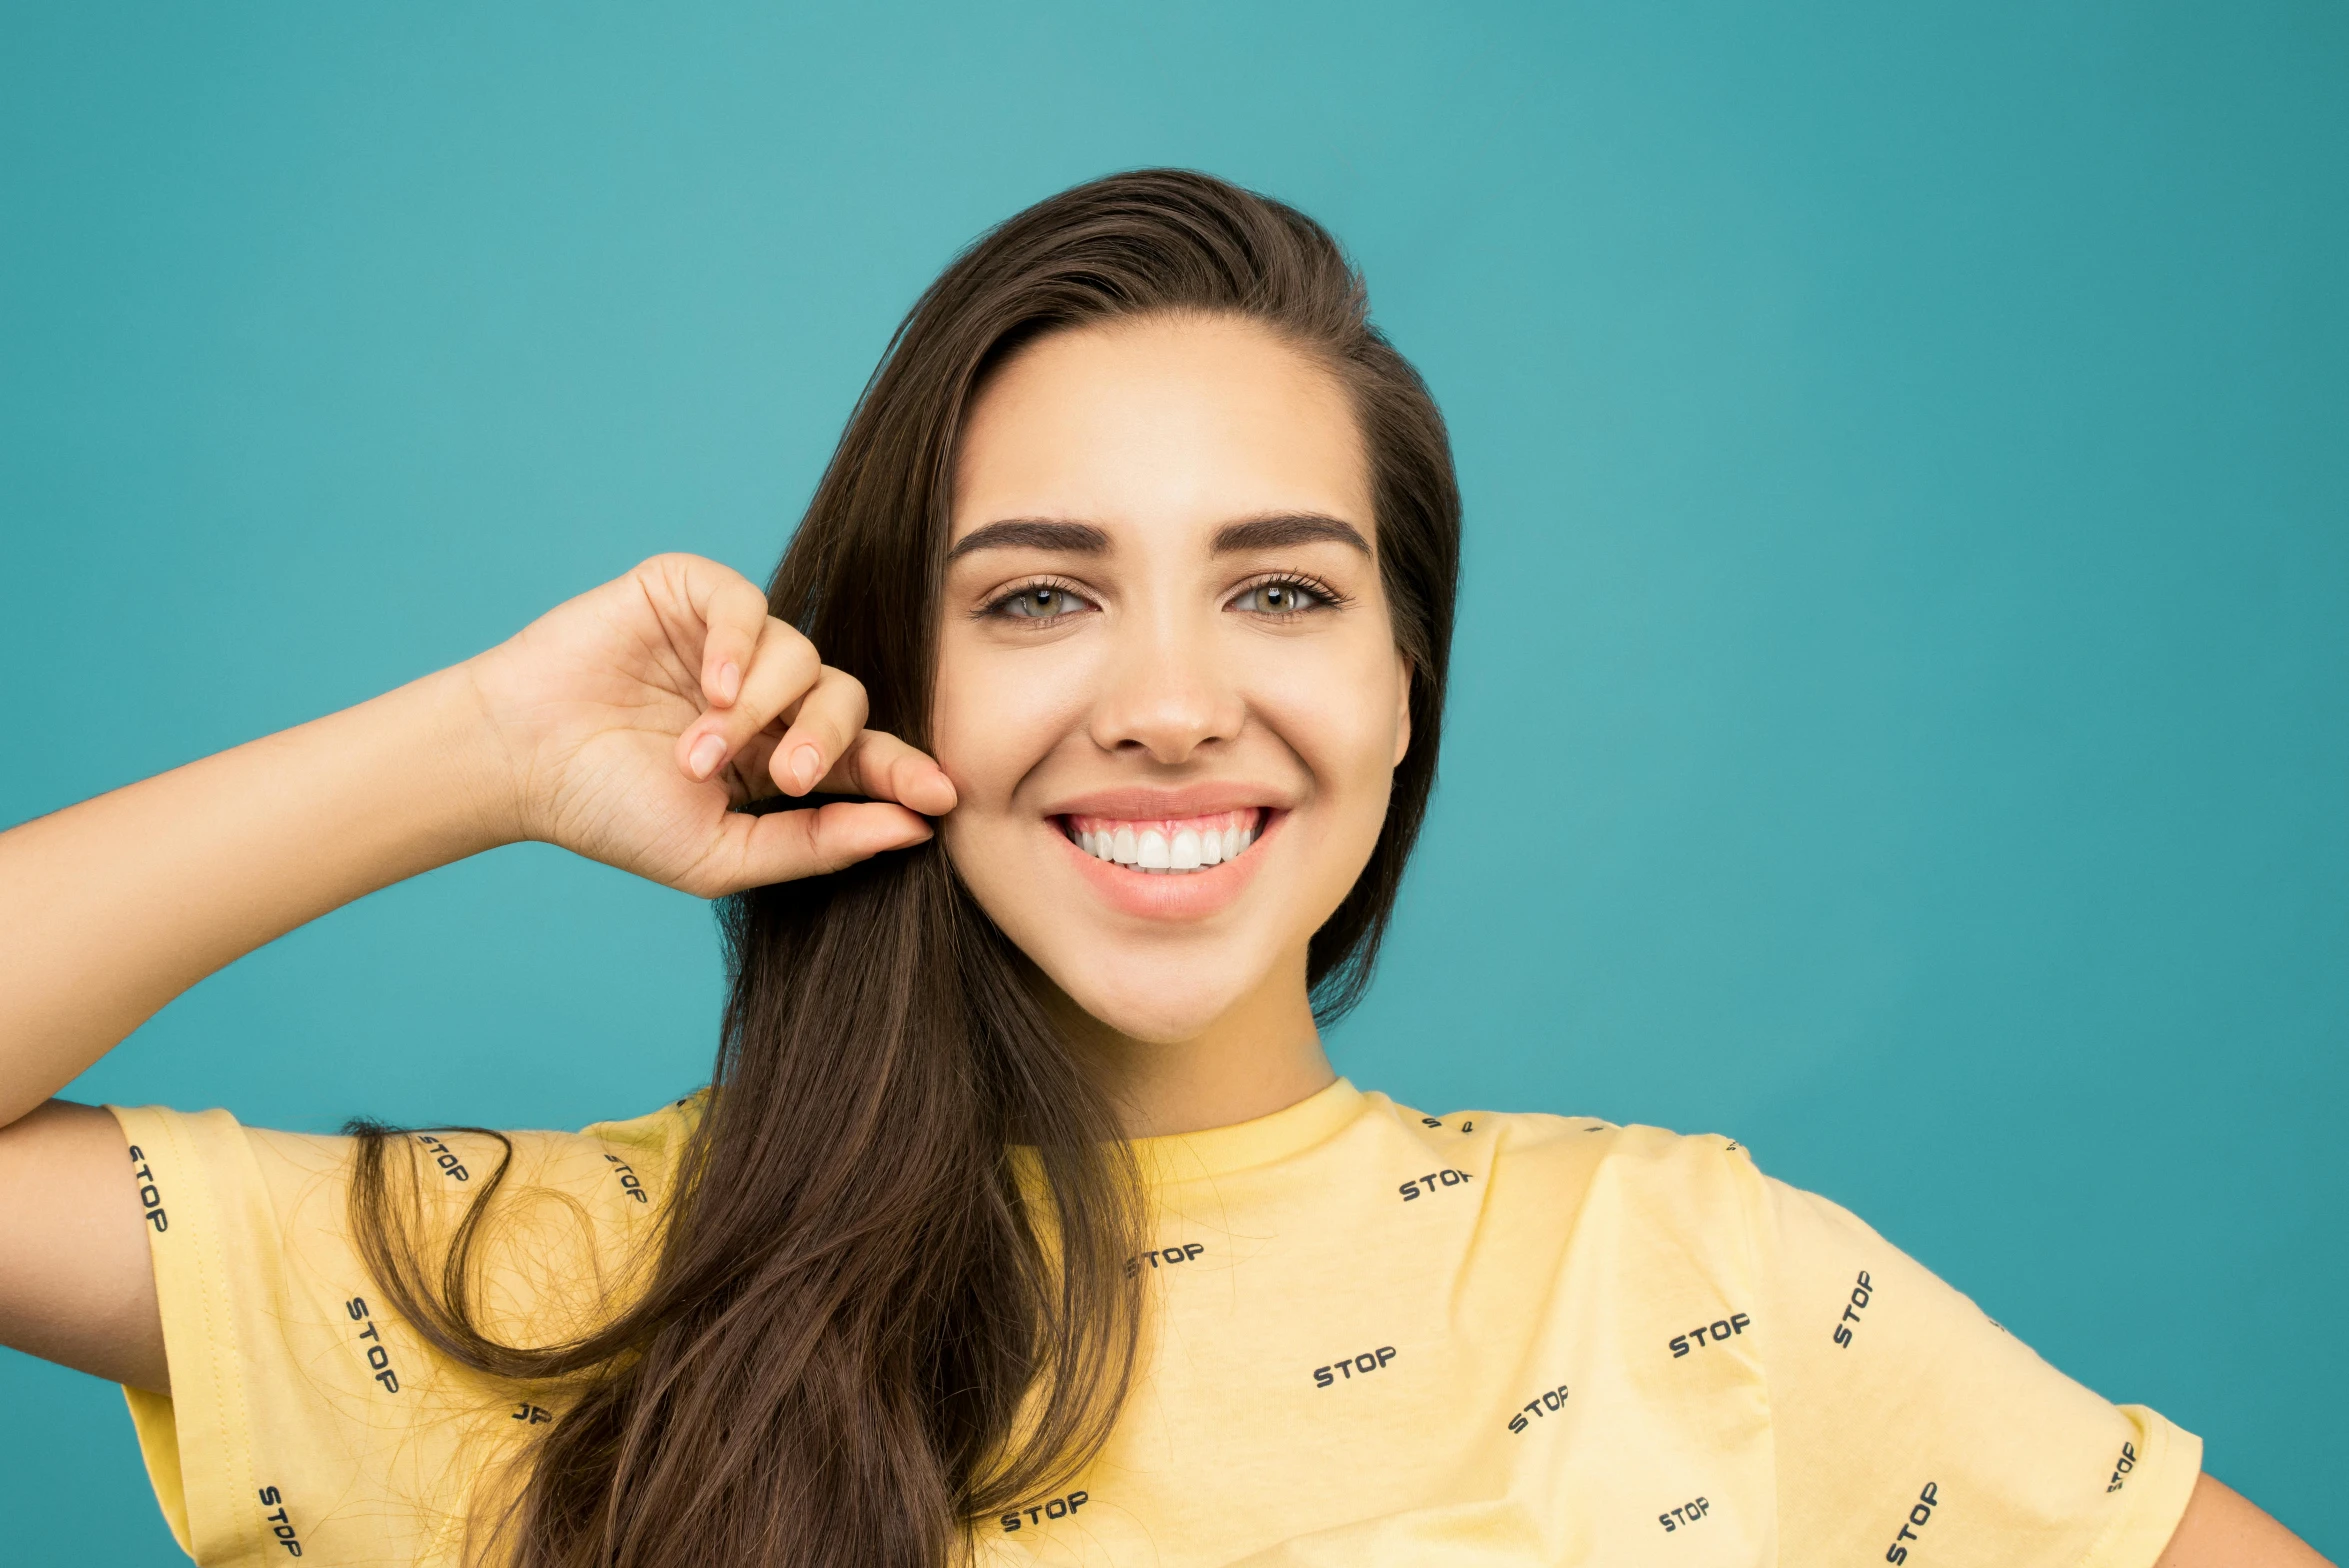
703,759
804,763
729,684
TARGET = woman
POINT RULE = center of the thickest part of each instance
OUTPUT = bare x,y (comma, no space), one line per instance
1025,1216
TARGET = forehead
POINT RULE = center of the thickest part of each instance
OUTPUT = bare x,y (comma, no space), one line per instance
1162,423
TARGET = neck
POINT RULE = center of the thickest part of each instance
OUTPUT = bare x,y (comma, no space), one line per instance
1261,1055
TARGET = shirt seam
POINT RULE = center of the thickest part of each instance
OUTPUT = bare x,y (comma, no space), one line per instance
2143,1511
221,1342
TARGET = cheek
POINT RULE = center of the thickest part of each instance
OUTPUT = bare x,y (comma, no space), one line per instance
1338,713
996,716
1339,718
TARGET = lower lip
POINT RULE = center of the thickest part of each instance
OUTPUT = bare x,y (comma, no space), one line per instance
1170,895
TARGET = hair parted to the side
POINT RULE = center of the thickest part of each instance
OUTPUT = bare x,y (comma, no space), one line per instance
867,1323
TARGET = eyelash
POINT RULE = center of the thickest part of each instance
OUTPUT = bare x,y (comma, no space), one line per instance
1000,606
1324,596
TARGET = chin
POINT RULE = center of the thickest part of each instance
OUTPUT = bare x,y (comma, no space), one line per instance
1156,1008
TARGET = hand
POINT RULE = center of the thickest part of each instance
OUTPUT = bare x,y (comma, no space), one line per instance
634,717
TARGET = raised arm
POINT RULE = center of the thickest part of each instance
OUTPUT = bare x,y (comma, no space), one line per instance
624,724
111,908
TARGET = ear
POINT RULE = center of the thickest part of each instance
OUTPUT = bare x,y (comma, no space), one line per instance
1402,708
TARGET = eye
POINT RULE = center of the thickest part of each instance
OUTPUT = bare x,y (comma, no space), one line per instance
1280,596
1039,602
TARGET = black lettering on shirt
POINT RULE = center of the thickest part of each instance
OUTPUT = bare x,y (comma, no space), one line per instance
445,1158
378,1357
1050,1508
1367,1362
150,1195
1858,1304
1432,1180
1541,1407
627,1174
529,1414
1167,1257
1710,1333
1920,1515
1686,1514
2120,1472
281,1523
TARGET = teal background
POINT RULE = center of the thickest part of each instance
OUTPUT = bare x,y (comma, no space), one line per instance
1900,704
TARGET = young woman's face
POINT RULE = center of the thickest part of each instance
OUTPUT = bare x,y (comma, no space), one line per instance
1169,693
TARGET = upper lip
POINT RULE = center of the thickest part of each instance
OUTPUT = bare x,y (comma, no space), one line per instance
1143,803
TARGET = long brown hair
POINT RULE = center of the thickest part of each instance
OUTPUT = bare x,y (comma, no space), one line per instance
865,1324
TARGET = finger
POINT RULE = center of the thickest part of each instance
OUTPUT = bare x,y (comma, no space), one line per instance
825,725
880,765
783,846
782,667
733,614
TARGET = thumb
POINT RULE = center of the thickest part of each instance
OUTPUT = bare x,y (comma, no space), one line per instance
783,846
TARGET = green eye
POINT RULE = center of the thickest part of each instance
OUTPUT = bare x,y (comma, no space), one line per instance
1039,602
1277,598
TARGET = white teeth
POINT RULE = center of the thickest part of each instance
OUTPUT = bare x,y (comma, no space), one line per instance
1165,849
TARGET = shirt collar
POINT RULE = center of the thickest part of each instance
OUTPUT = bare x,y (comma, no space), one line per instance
1221,1151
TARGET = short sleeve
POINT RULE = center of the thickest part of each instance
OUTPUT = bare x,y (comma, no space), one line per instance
1910,1424
305,1419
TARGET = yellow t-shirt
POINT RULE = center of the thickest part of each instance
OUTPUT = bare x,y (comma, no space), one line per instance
1376,1338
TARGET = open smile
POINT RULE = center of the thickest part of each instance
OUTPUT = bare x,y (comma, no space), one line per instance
1166,846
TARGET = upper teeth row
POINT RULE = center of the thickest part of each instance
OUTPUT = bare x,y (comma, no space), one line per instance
1151,850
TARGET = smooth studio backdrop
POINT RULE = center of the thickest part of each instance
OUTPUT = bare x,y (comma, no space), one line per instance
1900,715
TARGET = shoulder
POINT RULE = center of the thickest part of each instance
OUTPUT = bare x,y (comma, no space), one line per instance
660,1135
628,1165
1665,1229
624,1166
1572,1161
1538,1136
638,1157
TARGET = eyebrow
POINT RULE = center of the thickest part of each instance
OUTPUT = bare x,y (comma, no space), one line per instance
1288,528
1032,533
1255,533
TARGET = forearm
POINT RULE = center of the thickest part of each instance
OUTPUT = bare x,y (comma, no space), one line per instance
2224,1529
111,908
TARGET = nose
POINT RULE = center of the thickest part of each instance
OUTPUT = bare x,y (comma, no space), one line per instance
1166,695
